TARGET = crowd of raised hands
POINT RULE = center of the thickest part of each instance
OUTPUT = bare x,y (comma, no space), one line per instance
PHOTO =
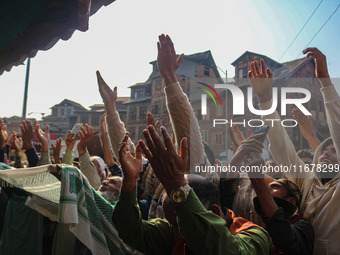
126,167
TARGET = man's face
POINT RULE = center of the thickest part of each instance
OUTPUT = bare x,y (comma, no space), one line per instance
101,173
110,188
328,156
278,190
111,184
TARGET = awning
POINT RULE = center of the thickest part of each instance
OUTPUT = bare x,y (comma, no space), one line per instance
29,26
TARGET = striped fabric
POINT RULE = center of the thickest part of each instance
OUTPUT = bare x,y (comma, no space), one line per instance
88,214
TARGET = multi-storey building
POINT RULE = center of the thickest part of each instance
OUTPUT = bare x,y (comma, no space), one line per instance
149,95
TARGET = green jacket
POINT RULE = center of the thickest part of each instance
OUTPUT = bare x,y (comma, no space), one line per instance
203,231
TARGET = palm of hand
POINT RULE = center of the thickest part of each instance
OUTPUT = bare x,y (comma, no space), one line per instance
131,165
18,144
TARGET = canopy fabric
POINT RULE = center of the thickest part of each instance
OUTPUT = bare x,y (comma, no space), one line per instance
29,26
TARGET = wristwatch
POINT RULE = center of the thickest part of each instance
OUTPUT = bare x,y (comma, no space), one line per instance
180,194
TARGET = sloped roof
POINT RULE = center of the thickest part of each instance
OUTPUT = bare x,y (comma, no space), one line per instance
279,70
67,101
204,58
139,84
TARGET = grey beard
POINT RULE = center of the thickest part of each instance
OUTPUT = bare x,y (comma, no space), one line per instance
109,196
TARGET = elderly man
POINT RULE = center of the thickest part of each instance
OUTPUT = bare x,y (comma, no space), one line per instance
195,223
110,188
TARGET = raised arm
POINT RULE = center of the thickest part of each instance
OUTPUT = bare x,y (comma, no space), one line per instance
329,93
86,166
70,141
154,236
116,128
3,137
44,138
27,138
280,145
56,150
306,128
182,116
203,231
106,143
17,141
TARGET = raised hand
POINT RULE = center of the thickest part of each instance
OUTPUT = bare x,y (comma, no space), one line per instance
56,150
27,134
131,165
10,139
236,135
44,137
3,134
17,141
321,70
261,80
168,166
251,144
109,97
307,128
85,135
151,121
70,140
103,124
167,60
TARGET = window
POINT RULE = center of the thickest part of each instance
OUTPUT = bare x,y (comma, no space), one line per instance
165,110
62,112
95,121
156,108
133,113
218,139
245,73
84,119
313,104
68,112
204,134
199,114
138,93
309,78
148,91
158,84
142,112
219,110
206,71
242,73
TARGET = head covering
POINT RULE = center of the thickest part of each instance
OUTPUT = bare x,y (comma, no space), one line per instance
293,190
100,161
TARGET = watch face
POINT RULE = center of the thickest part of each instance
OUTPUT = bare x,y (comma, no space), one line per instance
178,196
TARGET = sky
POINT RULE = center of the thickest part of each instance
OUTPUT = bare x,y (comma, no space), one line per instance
122,37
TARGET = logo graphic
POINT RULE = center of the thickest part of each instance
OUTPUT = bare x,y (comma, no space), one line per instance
204,97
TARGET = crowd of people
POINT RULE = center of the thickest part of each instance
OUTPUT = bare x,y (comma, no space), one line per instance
156,205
